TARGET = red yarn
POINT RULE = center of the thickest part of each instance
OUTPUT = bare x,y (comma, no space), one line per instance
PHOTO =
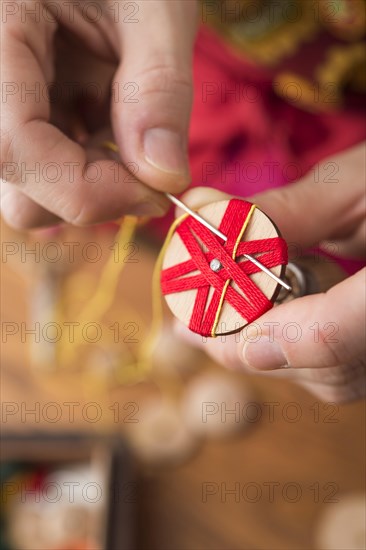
272,252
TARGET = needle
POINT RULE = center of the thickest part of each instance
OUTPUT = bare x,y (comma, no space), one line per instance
113,147
217,232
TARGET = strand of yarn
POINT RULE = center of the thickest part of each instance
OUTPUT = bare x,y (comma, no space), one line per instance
104,295
222,298
143,363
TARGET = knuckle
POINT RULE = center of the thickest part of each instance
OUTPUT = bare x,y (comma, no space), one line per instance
83,208
330,350
78,214
14,215
165,78
15,221
7,156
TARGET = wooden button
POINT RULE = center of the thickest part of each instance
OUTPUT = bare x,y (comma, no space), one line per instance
230,320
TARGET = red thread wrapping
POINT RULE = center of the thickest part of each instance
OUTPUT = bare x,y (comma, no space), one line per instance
271,252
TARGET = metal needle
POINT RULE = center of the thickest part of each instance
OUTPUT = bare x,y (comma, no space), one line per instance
113,147
217,232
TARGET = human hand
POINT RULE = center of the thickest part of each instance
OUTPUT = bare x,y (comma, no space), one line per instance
143,50
319,338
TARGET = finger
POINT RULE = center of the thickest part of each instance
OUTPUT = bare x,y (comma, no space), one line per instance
314,331
20,212
336,384
152,105
320,207
350,247
323,330
223,350
313,209
40,161
200,196
327,356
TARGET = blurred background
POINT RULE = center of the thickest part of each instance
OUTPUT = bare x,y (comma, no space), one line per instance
112,439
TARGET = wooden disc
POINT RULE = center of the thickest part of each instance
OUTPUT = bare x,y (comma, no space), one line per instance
230,321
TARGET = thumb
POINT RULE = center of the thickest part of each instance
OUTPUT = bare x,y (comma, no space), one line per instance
323,330
153,92
320,206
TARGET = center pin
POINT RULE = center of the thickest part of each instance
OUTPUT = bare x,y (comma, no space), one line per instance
215,265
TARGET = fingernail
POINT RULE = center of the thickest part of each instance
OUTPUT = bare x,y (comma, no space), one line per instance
264,354
164,150
147,209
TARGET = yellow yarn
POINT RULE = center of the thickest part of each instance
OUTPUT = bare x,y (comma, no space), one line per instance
157,309
104,295
222,297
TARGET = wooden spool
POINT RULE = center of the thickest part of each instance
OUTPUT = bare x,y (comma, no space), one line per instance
230,321
214,404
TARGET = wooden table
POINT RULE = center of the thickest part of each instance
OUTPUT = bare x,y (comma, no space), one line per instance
306,463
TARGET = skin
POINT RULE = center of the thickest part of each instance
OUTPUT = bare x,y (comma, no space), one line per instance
308,213
150,52
145,46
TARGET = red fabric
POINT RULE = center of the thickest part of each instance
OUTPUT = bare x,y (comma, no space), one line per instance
237,117
252,140
273,252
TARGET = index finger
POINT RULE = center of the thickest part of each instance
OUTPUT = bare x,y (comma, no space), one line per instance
42,162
